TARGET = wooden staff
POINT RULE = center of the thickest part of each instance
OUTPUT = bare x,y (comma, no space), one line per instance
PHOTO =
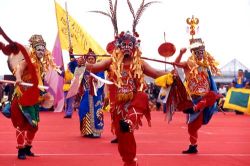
155,60
24,83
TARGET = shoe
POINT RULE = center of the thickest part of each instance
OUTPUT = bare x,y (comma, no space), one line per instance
88,135
67,116
27,150
92,136
114,141
239,113
191,150
21,154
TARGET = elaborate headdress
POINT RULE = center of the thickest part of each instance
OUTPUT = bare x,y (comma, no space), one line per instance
115,46
90,53
136,17
47,60
197,44
36,40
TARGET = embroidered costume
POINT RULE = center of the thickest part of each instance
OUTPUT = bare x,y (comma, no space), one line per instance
200,86
29,67
126,69
90,109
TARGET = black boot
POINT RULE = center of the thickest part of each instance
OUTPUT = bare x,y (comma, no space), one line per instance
124,126
21,154
27,150
192,149
114,141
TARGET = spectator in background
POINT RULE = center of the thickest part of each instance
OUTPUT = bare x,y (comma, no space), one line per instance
240,81
247,85
222,89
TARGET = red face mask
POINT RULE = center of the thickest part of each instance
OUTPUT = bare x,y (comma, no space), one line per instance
127,47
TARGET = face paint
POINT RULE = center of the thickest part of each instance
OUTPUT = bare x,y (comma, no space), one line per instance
199,54
127,47
40,51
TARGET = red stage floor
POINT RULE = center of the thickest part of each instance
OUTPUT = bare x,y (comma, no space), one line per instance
225,141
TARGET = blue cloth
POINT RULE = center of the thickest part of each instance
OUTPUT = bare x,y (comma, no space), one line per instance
72,66
68,104
6,110
243,83
209,111
92,104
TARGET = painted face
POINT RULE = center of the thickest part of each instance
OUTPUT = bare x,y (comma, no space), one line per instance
91,59
127,47
199,53
40,51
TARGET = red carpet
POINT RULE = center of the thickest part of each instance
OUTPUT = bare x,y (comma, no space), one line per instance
225,141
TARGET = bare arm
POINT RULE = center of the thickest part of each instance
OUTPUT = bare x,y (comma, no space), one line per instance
19,71
100,66
152,72
179,57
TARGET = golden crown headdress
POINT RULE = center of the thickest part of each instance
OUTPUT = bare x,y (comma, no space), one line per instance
36,40
195,43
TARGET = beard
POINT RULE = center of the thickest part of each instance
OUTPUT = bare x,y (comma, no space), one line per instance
127,54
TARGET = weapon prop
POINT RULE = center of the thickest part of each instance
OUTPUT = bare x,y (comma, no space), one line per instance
14,47
155,60
101,79
25,84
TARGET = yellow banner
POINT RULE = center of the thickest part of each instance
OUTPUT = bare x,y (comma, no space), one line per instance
81,41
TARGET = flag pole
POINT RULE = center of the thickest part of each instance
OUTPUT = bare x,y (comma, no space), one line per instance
68,26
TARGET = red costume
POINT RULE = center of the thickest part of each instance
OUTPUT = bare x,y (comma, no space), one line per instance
126,69
29,68
200,86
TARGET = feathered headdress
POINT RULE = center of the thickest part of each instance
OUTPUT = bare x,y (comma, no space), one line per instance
117,57
136,16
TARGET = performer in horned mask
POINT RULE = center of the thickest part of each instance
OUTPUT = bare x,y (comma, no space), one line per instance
126,69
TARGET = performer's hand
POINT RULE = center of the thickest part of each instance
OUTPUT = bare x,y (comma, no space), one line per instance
70,50
18,81
183,50
175,73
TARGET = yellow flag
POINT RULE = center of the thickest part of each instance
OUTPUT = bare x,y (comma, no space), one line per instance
81,41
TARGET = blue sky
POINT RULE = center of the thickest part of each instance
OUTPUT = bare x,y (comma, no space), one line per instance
224,25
